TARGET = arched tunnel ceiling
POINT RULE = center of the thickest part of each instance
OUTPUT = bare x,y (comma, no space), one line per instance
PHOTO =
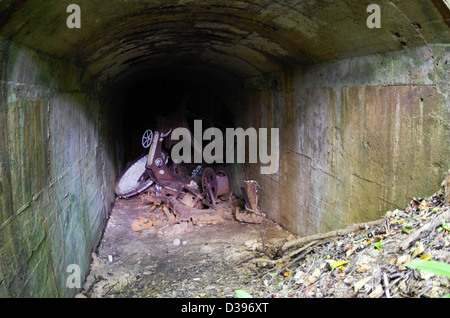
119,37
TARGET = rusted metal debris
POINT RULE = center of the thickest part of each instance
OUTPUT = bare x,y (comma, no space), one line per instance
183,195
248,217
177,212
252,213
252,195
215,183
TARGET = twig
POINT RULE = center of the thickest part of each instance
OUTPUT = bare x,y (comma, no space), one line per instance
386,285
307,273
302,254
284,258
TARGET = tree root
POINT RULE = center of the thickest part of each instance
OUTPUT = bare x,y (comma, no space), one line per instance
349,229
313,239
284,258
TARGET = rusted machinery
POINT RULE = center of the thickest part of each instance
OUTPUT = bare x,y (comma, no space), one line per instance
202,188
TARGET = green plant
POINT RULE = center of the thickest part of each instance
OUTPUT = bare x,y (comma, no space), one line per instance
378,244
435,267
444,226
242,294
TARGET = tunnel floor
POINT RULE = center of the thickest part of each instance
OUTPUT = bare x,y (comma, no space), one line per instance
366,260
176,260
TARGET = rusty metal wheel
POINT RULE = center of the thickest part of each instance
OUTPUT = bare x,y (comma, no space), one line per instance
223,183
147,138
133,180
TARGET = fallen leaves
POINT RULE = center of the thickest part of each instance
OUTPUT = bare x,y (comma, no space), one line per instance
371,262
402,260
363,267
377,292
287,272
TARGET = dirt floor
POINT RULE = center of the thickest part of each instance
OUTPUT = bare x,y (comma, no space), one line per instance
143,255
175,260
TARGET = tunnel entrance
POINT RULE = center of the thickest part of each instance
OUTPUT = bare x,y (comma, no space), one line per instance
153,240
362,113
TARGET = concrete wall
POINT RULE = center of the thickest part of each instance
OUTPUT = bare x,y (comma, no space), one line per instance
358,136
57,164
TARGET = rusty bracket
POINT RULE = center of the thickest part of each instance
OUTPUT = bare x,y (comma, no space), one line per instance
159,171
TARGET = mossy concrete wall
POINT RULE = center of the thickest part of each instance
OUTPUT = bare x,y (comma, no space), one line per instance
57,164
358,137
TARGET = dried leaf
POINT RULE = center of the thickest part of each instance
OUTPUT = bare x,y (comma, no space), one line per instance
363,267
404,258
377,292
351,250
401,260
299,275
359,284
418,250
426,256
423,205
287,272
316,273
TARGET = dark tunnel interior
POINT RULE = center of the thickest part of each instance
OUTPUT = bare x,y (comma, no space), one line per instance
147,98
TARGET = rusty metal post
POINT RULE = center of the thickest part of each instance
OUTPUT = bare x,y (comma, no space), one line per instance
251,187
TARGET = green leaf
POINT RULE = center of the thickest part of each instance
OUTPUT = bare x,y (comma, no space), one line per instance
434,267
446,296
242,294
378,244
407,228
339,263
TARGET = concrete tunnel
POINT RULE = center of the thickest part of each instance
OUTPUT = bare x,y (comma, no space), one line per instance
362,111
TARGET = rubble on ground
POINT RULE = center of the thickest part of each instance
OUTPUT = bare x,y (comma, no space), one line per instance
367,260
370,263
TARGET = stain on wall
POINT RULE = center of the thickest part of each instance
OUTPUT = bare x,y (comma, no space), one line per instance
358,137
56,168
